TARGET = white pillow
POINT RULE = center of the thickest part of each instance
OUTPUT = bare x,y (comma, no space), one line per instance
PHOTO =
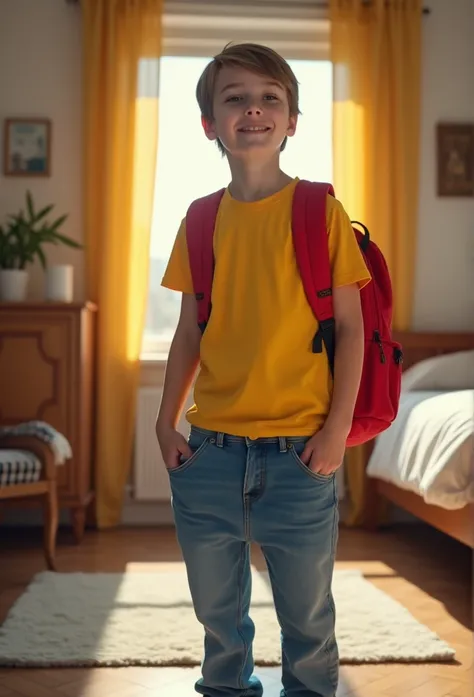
452,371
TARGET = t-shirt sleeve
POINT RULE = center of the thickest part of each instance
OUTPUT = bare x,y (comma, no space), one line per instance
347,263
177,274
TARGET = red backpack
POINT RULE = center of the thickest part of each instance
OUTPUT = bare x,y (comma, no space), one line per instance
379,391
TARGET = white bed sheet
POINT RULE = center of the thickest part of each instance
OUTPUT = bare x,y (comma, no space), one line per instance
429,449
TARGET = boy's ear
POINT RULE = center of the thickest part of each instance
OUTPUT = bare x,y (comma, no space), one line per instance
209,128
292,123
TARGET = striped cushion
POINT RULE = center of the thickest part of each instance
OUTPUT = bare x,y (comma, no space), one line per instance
18,467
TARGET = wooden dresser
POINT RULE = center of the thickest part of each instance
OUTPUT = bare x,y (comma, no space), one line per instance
46,373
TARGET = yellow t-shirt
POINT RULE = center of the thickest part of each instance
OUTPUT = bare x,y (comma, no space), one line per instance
258,375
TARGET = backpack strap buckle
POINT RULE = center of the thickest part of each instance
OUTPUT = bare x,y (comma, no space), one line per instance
326,334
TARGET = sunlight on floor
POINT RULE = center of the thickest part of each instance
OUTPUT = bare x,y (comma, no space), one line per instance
371,568
153,567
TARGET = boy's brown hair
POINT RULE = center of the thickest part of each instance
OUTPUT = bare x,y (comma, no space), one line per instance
255,58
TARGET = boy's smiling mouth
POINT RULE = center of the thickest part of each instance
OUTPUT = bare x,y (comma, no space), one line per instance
254,129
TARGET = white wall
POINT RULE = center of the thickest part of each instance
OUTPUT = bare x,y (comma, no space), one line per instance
444,295
40,75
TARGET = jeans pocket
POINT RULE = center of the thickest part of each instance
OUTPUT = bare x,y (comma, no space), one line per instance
198,449
296,449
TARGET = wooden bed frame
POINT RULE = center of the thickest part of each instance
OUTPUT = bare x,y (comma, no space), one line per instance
459,524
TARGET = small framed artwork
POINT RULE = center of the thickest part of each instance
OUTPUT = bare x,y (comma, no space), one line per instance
27,148
455,145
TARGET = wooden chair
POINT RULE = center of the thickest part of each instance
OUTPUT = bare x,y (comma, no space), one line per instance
43,488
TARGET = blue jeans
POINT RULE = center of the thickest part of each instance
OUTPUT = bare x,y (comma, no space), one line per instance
234,491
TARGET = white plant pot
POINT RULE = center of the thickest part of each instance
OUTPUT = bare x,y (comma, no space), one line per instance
60,283
13,285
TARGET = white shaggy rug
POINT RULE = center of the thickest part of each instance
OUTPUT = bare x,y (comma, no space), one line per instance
147,619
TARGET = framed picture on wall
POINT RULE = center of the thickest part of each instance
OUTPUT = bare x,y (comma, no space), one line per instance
27,147
455,152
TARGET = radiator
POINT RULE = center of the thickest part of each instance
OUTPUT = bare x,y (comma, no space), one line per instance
150,480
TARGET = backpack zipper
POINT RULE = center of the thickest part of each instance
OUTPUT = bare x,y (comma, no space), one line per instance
378,341
376,334
398,356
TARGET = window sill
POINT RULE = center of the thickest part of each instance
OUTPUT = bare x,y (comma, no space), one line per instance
151,359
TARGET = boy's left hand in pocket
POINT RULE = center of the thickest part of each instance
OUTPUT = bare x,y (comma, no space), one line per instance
324,452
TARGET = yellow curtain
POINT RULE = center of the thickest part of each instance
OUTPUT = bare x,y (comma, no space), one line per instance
121,48
376,55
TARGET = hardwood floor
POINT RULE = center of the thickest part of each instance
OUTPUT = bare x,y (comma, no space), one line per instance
426,571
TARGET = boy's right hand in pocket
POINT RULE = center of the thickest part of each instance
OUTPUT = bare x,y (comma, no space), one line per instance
173,446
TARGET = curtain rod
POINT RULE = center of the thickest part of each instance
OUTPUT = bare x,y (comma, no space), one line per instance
325,5
316,5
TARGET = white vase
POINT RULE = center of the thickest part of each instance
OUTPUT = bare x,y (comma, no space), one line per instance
13,285
60,283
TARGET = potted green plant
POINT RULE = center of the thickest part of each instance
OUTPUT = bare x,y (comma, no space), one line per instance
22,240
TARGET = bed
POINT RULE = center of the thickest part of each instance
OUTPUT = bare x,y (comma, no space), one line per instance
424,463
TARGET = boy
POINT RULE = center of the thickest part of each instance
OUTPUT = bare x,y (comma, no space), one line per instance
268,428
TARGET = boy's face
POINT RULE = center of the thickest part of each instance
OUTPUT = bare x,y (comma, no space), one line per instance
251,113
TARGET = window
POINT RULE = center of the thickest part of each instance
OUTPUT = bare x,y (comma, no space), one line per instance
189,166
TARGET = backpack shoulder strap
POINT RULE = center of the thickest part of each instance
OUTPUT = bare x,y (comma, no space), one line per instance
200,224
310,239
